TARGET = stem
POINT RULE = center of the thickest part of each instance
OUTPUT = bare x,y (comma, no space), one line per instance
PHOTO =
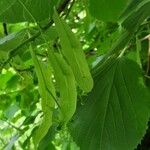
5,29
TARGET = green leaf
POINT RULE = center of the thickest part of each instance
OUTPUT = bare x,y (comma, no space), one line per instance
132,22
49,35
73,53
5,5
107,10
4,78
39,9
132,6
11,41
116,112
46,142
13,82
10,111
5,101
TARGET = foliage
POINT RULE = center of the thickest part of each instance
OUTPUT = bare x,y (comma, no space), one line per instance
74,74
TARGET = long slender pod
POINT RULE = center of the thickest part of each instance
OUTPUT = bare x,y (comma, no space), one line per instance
47,102
72,50
66,84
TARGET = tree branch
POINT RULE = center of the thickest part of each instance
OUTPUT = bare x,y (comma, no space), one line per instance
14,51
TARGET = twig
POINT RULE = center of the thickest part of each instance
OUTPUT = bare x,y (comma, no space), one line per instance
13,126
25,69
70,8
146,37
5,28
146,76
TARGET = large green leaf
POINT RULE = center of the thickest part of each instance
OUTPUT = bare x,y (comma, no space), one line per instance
107,10
26,10
116,112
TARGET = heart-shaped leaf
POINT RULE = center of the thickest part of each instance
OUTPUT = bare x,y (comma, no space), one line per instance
116,112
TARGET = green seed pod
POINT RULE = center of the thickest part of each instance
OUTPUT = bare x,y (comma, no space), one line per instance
48,103
67,86
73,53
